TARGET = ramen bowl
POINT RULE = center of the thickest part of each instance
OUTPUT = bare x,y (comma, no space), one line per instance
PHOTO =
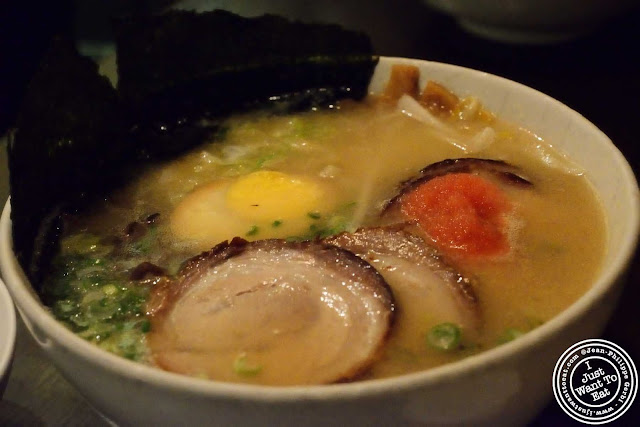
508,384
522,21
7,335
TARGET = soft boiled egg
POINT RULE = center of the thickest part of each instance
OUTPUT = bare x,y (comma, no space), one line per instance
260,205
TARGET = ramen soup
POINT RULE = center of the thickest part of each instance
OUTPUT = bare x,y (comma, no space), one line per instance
366,240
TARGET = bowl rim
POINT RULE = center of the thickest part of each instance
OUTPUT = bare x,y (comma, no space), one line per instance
8,324
42,319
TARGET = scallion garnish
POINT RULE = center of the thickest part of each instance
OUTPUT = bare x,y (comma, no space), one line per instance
444,336
145,326
510,334
314,215
253,231
241,366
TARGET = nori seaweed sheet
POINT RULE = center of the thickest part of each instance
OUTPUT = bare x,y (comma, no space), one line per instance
158,53
77,138
63,146
175,68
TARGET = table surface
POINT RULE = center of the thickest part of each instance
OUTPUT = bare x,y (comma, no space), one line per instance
597,75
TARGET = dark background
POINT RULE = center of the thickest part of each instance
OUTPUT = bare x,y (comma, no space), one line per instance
597,74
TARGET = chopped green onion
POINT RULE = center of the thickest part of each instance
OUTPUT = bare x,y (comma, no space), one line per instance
510,334
242,367
253,231
444,336
109,289
143,245
276,223
314,215
145,326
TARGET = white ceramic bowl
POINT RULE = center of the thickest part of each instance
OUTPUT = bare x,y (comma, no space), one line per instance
7,335
531,21
505,385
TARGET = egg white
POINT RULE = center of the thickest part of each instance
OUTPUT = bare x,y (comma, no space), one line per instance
260,205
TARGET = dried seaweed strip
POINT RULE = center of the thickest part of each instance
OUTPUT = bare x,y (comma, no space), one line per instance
180,71
157,53
65,145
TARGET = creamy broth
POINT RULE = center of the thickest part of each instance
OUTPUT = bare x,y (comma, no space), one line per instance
357,154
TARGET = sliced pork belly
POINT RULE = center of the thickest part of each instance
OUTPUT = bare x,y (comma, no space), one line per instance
502,170
465,207
279,312
497,170
425,286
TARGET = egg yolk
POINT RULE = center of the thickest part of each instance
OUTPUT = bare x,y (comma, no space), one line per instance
269,195
260,205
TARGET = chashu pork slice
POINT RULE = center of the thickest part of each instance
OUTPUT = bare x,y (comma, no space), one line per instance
427,289
273,312
502,173
471,218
